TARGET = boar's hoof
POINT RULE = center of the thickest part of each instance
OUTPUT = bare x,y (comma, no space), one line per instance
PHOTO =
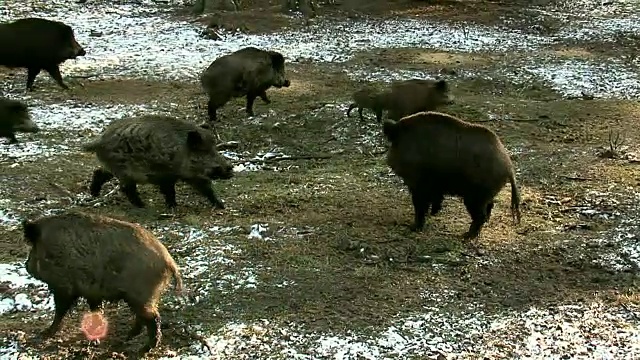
219,205
416,228
144,350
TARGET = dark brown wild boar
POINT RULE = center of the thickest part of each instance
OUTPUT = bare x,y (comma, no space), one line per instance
38,44
247,72
14,117
408,97
159,150
437,154
367,98
79,255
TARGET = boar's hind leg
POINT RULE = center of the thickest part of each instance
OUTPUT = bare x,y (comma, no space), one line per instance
100,177
136,329
130,190
263,96
203,186
63,302
54,71
32,72
151,319
477,209
168,190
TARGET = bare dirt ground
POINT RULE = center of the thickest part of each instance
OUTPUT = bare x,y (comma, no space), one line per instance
314,256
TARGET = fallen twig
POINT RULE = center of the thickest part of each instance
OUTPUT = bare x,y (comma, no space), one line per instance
635,316
298,157
83,76
62,190
576,178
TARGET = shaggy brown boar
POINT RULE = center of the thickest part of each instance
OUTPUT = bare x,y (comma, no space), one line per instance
247,72
437,154
100,259
14,117
408,97
159,150
367,98
38,44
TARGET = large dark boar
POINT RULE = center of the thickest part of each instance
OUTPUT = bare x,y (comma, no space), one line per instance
159,150
247,72
408,97
38,44
367,98
100,259
14,117
437,154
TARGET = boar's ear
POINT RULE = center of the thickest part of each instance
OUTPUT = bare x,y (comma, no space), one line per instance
195,142
31,231
441,85
277,60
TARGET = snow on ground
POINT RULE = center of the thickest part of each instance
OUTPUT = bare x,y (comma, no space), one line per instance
567,331
159,47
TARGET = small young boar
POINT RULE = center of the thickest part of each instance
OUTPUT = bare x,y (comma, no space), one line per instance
100,259
14,117
367,98
247,72
437,154
408,97
159,150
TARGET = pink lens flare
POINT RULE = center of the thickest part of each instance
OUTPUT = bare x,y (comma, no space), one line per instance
94,326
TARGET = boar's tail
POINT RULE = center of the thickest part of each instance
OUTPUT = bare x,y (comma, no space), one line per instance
351,108
390,130
515,199
91,146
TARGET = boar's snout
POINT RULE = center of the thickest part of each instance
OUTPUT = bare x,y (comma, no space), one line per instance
222,172
81,52
449,100
287,83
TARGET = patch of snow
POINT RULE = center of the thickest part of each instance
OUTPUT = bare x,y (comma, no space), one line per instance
31,150
71,115
384,74
599,79
258,162
157,47
257,230
24,293
583,331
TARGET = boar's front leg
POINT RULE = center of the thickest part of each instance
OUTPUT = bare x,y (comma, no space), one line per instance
168,190
420,205
251,97
436,203
63,303
54,71
263,96
130,190
100,177
203,186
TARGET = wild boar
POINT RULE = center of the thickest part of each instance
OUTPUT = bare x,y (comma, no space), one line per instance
437,154
159,150
38,44
408,97
80,255
247,72
367,98
14,117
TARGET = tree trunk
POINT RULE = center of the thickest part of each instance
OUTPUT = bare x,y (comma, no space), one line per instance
307,7
207,6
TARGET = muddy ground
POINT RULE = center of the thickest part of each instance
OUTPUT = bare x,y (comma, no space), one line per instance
314,256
